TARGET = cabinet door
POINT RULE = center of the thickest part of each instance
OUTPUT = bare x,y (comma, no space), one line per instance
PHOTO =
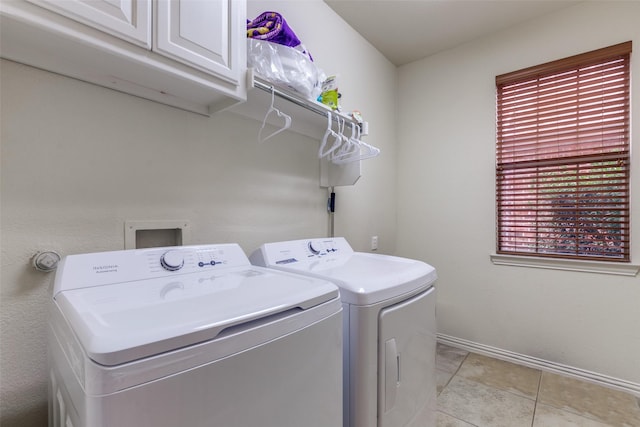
126,19
202,34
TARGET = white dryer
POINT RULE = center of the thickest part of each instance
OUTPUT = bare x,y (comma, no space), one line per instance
389,327
192,336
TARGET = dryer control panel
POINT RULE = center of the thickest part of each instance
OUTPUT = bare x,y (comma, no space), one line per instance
294,251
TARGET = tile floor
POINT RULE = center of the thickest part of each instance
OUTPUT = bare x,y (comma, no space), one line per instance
475,390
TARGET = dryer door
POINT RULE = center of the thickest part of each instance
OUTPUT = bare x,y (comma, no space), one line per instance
406,362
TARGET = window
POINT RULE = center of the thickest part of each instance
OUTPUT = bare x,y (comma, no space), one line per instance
562,158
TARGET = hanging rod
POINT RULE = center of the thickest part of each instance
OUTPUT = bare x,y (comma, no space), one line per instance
267,87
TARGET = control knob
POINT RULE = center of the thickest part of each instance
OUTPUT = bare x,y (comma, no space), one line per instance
313,249
172,260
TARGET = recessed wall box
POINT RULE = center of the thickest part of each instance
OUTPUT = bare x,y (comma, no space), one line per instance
151,234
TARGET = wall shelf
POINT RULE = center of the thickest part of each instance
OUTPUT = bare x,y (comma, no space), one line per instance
309,118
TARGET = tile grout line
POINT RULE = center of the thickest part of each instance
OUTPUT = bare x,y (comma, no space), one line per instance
447,384
534,399
485,385
535,405
455,372
459,366
580,414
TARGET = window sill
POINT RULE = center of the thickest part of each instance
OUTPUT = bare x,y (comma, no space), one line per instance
603,267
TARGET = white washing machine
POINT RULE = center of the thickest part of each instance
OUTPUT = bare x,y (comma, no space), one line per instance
192,336
389,327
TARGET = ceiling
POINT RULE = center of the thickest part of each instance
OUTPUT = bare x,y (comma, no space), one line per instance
408,30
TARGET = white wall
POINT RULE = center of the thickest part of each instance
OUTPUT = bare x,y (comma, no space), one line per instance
79,160
446,200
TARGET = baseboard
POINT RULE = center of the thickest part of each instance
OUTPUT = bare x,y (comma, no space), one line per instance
545,365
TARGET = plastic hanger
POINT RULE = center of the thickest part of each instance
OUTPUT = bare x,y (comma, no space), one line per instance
357,151
329,132
272,109
350,147
370,151
347,143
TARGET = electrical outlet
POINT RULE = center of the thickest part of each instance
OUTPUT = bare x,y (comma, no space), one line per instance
374,243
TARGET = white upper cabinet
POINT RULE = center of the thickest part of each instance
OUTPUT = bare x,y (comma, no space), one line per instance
197,33
189,54
127,19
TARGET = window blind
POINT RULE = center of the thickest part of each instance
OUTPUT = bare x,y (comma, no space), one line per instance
562,157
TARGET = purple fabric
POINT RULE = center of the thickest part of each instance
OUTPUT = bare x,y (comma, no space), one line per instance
272,27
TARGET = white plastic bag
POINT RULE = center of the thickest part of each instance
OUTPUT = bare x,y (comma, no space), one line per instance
285,66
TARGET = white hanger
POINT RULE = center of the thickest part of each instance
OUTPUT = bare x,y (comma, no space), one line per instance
336,142
355,152
272,109
370,151
350,147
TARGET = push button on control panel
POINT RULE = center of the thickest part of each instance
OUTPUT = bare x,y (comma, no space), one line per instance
212,263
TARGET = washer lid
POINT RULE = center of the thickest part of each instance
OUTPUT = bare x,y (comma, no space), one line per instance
122,322
366,278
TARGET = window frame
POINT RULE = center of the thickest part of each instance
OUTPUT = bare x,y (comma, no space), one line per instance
535,73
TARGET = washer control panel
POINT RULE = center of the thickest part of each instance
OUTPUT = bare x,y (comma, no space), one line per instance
194,258
85,270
